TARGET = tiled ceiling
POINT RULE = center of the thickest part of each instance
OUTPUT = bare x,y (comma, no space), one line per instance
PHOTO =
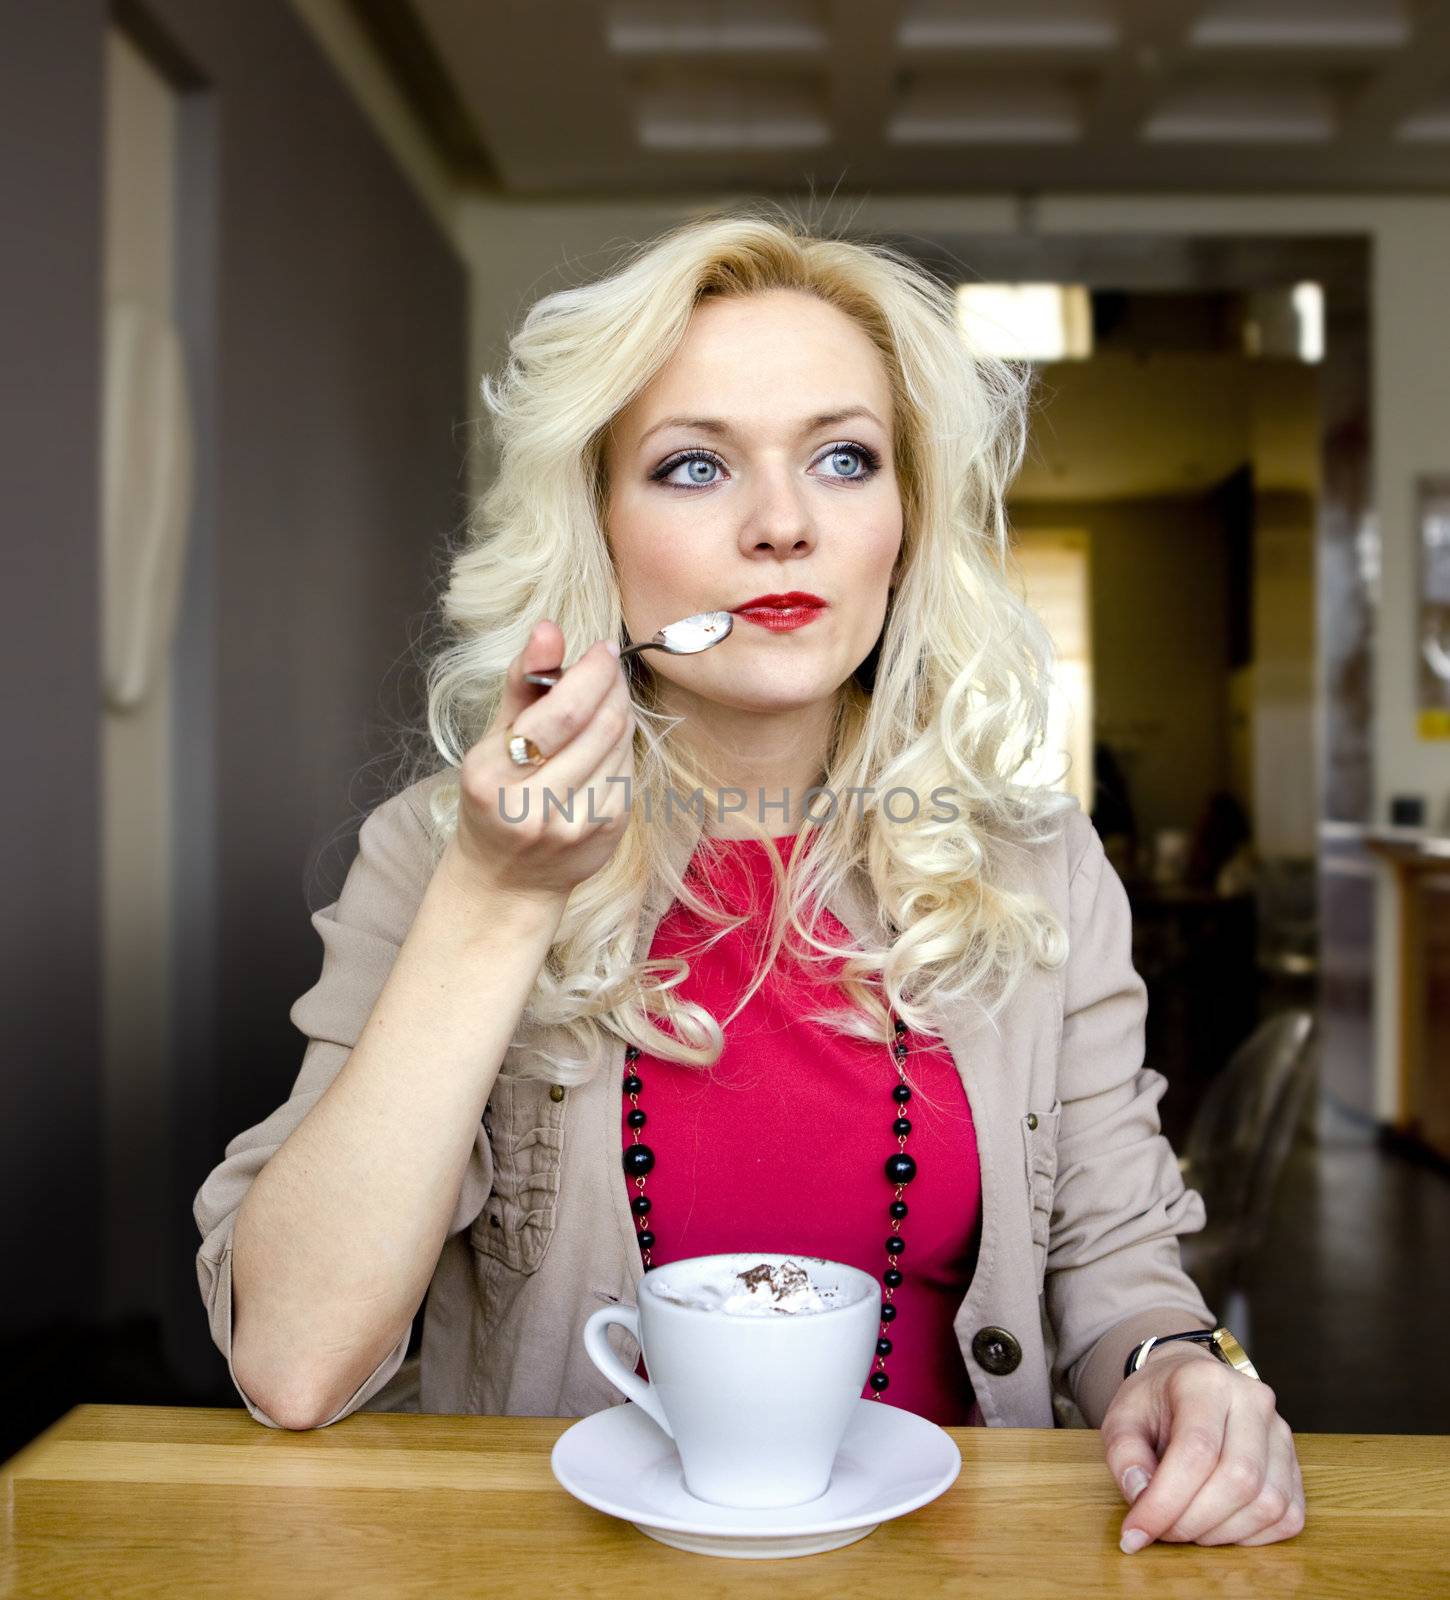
599,96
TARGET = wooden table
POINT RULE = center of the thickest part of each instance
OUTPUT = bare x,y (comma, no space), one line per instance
126,1501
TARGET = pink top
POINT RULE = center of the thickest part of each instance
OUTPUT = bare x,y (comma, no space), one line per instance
781,1145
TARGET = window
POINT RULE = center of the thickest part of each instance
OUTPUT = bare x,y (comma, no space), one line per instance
1053,563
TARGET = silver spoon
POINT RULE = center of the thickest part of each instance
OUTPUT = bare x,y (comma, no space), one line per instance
687,637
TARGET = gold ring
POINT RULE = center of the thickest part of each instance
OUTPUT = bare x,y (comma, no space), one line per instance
523,752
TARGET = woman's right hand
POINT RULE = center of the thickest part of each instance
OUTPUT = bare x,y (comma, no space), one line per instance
585,726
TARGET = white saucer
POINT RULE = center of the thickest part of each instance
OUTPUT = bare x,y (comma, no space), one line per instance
890,1462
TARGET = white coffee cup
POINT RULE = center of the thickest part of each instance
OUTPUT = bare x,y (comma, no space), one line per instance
757,1404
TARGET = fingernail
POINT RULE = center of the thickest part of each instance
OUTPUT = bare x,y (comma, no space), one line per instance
1135,1480
1132,1541
613,649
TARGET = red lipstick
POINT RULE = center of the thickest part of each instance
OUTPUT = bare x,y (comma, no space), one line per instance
782,612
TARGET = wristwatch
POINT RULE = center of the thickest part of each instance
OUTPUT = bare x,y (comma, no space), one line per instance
1219,1340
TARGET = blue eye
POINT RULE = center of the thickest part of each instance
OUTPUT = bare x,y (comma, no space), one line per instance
695,459
868,462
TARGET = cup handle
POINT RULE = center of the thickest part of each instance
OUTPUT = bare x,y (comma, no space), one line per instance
597,1347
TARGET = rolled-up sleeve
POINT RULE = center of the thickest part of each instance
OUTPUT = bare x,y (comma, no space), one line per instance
1114,1273
361,934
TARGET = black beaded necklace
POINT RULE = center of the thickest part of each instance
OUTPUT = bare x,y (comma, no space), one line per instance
900,1169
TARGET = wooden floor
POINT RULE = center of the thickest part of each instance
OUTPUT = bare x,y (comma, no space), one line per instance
1347,1304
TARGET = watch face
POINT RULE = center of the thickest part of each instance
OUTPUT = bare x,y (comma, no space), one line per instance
1233,1352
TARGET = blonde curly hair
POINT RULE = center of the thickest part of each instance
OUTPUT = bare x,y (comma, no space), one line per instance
958,697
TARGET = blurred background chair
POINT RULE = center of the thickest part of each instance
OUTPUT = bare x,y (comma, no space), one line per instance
1240,1135
1286,891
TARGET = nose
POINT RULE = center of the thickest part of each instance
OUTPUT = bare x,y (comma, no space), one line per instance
777,520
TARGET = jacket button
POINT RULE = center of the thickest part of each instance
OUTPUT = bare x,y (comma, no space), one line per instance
556,1092
1032,1120
996,1351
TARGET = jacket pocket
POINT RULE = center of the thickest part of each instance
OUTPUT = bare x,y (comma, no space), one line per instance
1039,1146
525,1128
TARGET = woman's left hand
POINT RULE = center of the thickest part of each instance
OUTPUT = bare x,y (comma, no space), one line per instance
1201,1454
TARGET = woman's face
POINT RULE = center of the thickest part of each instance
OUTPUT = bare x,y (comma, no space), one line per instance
758,462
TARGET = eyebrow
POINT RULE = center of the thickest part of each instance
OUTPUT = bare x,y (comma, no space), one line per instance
722,428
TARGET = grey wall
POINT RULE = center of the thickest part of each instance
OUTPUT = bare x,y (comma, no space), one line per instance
326,321
50,226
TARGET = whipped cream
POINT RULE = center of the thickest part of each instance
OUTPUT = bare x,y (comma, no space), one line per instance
762,1290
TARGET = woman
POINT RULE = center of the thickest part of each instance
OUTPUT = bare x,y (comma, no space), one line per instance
811,827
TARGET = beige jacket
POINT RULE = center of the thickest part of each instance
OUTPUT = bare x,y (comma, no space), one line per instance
1082,1200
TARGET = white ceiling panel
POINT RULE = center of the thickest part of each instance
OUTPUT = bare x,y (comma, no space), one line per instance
663,96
